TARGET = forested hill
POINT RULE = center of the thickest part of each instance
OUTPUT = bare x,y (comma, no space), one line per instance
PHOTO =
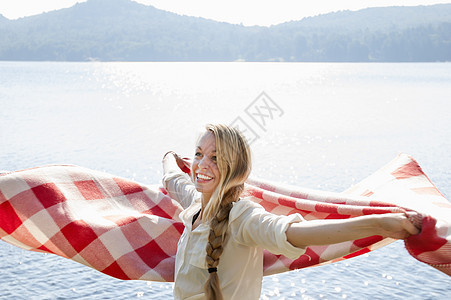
123,30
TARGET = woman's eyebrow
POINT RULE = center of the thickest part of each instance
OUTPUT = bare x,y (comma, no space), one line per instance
200,148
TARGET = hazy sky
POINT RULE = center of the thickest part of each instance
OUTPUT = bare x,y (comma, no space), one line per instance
248,12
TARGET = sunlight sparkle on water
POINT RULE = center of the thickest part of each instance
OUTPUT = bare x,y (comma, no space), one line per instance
341,122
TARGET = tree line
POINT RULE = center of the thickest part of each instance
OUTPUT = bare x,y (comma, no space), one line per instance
123,30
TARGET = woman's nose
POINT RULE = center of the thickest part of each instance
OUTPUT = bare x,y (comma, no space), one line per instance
203,163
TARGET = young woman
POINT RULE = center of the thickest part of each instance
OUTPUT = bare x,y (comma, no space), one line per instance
220,253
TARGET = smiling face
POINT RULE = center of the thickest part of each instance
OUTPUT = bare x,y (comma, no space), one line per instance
204,168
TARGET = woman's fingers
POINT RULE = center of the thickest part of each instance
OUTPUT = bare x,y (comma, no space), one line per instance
397,225
408,224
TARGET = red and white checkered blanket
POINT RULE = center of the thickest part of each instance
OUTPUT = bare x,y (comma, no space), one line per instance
130,231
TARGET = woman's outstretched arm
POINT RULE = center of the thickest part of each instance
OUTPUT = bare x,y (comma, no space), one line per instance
326,232
176,182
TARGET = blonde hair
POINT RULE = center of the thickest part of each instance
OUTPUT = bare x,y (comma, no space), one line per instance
234,164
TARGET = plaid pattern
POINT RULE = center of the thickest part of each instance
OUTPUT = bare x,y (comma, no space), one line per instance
404,188
130,231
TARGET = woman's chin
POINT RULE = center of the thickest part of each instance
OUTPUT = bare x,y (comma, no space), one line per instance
203,187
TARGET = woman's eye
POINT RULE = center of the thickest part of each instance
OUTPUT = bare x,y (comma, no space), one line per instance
197,154
213,158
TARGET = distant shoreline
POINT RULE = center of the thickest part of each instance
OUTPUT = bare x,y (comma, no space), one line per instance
129,31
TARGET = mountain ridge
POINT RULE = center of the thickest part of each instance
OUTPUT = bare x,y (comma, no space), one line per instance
439,13
124,30
445,16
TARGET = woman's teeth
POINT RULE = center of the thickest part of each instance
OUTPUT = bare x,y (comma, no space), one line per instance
204,177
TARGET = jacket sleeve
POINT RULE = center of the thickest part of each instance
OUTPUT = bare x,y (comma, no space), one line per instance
251,225
180,188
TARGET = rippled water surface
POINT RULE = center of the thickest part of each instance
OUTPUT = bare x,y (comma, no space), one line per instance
335,124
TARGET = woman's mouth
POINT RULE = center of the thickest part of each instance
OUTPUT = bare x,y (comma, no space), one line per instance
203,178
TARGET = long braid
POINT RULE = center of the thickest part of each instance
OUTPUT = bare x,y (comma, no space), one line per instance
234,164
216,238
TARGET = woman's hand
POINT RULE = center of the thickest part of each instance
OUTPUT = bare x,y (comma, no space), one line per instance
173,162
396,225
170,163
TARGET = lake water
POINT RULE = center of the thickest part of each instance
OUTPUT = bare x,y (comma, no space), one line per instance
331,126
